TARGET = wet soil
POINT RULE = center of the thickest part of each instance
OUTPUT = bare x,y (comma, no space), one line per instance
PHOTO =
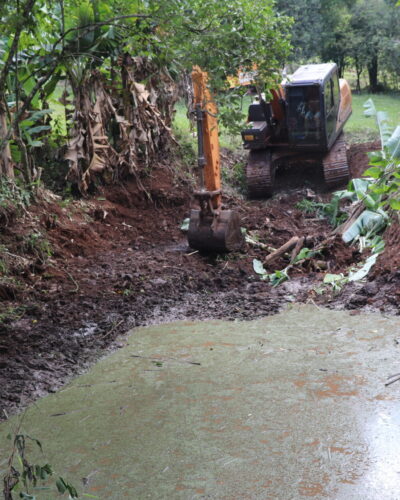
77,274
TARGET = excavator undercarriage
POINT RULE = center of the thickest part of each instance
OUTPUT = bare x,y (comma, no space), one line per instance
262,165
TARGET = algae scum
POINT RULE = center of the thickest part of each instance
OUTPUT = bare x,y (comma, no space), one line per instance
288,407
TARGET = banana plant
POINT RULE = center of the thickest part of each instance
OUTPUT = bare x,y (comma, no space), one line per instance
384,169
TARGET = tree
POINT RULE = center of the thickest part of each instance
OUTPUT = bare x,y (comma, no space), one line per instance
370,23
336,35
83,42
307,28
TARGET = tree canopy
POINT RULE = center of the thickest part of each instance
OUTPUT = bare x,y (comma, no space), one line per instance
361,34
77,44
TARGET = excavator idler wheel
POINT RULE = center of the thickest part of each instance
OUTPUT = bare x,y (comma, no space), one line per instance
215,233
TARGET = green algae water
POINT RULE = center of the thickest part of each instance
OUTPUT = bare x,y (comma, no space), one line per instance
292,406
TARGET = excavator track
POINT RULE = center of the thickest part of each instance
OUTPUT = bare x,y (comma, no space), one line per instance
336,169
260,174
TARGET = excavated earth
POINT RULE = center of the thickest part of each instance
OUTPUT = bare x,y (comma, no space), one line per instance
78,274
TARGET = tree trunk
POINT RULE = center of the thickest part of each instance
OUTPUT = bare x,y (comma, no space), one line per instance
6,165
359,69
341,66
373,74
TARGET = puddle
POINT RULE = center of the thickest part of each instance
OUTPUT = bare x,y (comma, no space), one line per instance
292,406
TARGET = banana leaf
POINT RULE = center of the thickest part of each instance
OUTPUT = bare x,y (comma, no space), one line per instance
393,144
367,222
382,119
259,268
361,273
369,108
361,190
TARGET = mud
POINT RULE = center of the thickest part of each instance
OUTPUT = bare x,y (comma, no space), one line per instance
120,260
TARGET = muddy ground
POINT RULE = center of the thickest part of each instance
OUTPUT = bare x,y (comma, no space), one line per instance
75,275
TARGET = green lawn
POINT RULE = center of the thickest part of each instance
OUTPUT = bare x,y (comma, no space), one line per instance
361,128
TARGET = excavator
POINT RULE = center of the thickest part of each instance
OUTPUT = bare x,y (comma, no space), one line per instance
212,227
302,123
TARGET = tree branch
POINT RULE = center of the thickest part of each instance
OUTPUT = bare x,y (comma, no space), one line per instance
95,25
26,104
14,46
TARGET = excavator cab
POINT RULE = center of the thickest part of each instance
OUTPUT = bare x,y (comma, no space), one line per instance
313,102
304,115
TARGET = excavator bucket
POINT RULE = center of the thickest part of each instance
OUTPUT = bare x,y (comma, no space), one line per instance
215,233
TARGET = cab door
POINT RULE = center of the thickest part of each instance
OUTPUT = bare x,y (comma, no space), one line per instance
331,105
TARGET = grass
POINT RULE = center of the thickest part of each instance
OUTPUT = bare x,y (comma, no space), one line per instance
363,129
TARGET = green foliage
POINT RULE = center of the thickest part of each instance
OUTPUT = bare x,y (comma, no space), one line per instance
64,487
361,33
237,34
372,29
305,254
26,477
13,200
275,278
330,211
36,244
3,266
384,170
235,176
11,313
335,281
278,277
368,224
68,40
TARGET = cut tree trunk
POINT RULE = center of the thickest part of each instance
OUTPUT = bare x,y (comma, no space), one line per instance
281,250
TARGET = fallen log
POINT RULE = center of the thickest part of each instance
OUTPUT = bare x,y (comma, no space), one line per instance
353,216
259,244
296,249
281,250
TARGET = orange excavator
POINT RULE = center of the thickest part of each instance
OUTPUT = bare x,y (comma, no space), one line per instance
302,123
212,228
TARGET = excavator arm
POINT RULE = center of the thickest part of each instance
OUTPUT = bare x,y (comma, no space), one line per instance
211,227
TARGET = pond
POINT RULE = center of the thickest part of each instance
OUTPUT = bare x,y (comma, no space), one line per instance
292,406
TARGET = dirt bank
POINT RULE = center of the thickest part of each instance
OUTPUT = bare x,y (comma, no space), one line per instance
119,260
